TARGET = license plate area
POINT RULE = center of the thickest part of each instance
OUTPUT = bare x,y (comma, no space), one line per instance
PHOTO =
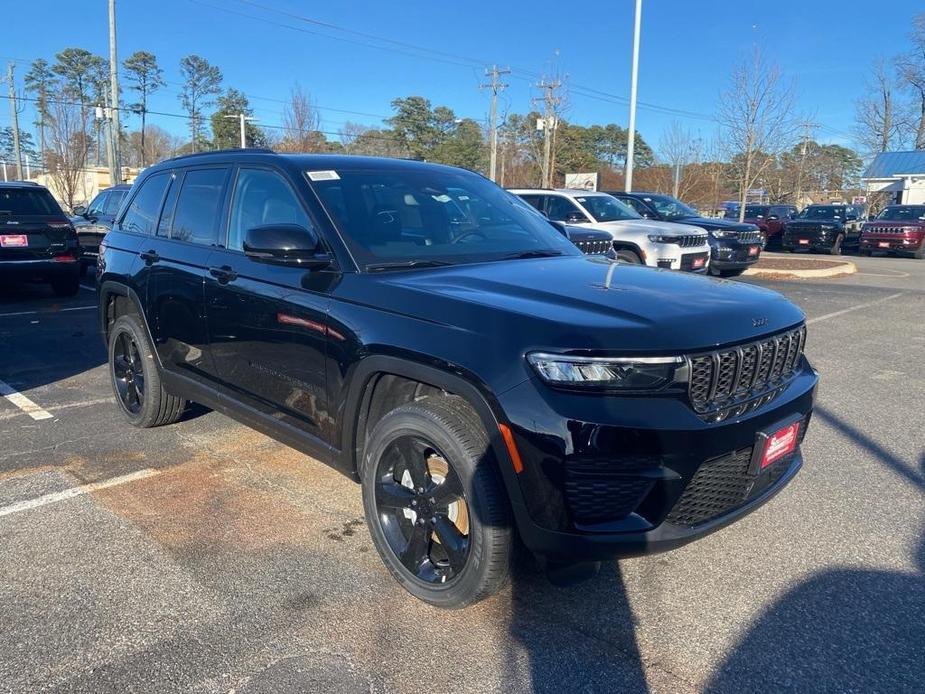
776,444
752,250
13,240
804,242
698,263
884,244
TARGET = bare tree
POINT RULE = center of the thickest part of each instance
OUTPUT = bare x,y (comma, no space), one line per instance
68,148
912,72
756,117
875,114
301,123
680,147
158,144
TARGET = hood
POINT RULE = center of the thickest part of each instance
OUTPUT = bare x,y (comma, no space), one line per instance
646,226
796,223
711,224
567,303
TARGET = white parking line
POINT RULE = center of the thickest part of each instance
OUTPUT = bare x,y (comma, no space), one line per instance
854,308
89,289
75,491
23,403
57,408
36,313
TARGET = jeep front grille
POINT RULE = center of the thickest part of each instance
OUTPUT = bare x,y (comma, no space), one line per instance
727,382
692,241
594,247
748,236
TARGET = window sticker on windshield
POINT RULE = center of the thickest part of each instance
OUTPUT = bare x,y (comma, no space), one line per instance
442,198
323,176
581,200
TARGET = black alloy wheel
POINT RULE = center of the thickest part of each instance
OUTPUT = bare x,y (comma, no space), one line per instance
128,373
422,510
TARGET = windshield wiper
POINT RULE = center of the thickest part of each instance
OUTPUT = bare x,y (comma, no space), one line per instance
549,253
405,265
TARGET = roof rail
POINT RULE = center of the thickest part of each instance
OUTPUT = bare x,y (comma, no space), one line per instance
236,150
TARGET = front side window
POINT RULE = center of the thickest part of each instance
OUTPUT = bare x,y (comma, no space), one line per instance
432,215
196,216
99,203
757,211
670,208
113,202
260,198
142,213
559,209
639,206
606,209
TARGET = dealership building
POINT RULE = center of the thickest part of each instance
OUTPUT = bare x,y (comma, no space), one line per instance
899,173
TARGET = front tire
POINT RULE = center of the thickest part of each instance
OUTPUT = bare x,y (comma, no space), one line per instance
628,257
435,504
136,381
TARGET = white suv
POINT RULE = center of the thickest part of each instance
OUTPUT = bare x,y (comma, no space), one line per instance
635,240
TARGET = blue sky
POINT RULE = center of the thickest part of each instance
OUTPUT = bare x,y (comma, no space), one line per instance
688,50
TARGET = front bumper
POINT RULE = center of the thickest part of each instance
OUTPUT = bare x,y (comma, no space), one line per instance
731,254
605,476
894,242
673,257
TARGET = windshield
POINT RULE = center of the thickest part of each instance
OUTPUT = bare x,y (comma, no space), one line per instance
755,211
433,216
904,213
24,201
670,208
823,212
605,208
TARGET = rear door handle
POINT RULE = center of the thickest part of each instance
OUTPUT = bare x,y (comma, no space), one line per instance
150,257
223,274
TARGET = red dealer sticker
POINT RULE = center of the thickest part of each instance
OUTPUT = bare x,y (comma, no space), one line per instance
779,444
14,240
753,250
698,263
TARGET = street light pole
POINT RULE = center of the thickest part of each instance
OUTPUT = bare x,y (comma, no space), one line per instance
631,135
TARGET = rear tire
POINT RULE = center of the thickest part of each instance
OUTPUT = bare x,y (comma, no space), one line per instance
629,257
68,285
430,482
135,378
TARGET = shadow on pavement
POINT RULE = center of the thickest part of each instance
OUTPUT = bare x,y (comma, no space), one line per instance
848,629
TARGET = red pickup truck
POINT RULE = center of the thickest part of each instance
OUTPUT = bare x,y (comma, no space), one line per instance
897,229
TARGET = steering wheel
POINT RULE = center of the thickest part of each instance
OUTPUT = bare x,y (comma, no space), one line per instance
467,234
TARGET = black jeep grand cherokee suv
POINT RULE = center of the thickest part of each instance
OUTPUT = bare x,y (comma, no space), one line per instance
421,330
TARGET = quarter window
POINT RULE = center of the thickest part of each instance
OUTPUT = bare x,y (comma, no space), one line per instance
262,197
196,218
142,213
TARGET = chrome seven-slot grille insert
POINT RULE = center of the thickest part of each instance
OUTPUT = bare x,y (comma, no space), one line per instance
730,382
692,240
749,235
594,247
887,230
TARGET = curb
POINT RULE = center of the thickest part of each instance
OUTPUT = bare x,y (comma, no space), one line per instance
843,268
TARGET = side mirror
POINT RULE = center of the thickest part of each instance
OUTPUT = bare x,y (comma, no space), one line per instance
80,211
773,216
575,218
560,227
286,244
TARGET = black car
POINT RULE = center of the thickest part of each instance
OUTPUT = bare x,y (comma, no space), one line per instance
475,373
825,228
37,242
94,221
734,246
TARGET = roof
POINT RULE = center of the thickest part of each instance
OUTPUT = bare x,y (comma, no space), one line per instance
20,184
890,164
120,186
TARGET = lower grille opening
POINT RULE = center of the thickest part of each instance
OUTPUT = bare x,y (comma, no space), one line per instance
598,491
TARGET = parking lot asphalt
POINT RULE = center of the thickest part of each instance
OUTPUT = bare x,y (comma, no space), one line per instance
204,557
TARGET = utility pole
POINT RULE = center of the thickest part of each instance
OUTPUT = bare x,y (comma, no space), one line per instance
14,118
496,87
115,163
807,131
548,124
242,118
631,135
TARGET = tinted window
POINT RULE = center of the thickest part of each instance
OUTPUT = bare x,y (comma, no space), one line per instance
99,203
607,209
434,214
536,201
16,201
196,217
753,211
142,213
113,202
262,197
670,208
637,205
559,208
904,213
823,212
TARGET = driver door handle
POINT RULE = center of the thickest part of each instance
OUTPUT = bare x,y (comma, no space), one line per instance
150,257
223,274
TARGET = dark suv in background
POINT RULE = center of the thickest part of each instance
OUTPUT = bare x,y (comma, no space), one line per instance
37,242
734,247
94,221
436,340
769,219
825,228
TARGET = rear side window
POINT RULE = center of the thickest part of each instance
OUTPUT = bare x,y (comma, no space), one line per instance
196,217
559,208
142,213
262,197
113,202
534,200
17,201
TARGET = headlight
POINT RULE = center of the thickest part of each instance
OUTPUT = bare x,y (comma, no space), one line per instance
660,238
624,373
724,234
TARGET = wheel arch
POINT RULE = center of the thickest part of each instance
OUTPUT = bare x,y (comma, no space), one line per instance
117,299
